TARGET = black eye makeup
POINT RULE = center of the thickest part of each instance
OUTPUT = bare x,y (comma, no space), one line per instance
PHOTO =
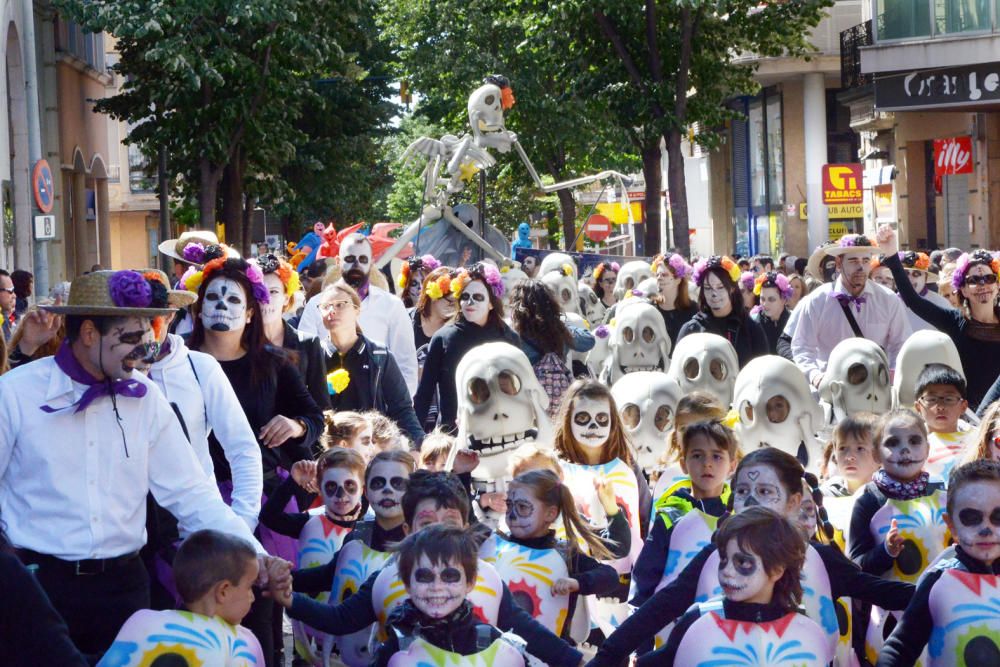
334,490
970,518
583,418
397,483
520,508
449,575
745,564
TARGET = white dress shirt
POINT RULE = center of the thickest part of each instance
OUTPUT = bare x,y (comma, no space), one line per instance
918,323
73,484
821,324
197,385
383,320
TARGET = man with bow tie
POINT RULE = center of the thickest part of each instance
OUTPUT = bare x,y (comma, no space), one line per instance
849,306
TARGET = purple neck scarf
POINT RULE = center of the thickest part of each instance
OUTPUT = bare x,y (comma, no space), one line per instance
69,365
901,490
848,299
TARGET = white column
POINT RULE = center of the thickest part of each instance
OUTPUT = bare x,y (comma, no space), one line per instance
814,129
41,250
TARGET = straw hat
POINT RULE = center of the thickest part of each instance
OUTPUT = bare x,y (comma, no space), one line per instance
176,298
814,267
852,243
95,293
175,247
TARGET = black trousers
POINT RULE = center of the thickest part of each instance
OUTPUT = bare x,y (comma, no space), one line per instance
96,606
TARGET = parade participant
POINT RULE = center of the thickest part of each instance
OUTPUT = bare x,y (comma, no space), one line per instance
674,299
479,292
412,277
605,277
214,573
382,315
760,565
362,374
945,286
83,441
852,452
941,403
849,306
696,406
721,309
985,444
774,293
38,335
434,450
770,478
951,613
560,570
881,274
976,328
917,266
799,289
439,566
8,304
434,308
746,290
282,283
385,432
350,430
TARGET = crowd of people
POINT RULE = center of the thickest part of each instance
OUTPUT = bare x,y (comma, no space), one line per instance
730,461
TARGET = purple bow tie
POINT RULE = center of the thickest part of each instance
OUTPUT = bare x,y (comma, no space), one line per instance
69,365
848,299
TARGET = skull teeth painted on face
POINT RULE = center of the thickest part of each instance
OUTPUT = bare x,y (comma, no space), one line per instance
593,308
976,522
437,589
856,379
647,403
474,302
639,341
384,489
903,449
705,362
128,346
225,306
525,515
341,491
591,422
758,485
741,573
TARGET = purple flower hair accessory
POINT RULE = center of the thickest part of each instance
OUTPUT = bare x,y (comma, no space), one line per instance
491,275
678,265
602,331
616,267
194,253
784,287
746,280
855,241
256,278
129,289
429,263
966,261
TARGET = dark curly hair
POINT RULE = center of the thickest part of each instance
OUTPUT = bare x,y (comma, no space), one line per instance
534,315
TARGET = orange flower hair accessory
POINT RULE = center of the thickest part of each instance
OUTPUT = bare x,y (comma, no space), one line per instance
459,282
438,288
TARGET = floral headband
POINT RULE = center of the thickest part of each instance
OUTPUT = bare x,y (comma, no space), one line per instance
288,276
436,289
488,273
855,241
967,261
604,266
746,280
414,264
131,289
876,261
216,256
715,262
915,260
776,280
677,265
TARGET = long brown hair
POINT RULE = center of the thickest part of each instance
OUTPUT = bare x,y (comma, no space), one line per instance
683,299
731,287
549,489
617,446
535,316
981,446
425,301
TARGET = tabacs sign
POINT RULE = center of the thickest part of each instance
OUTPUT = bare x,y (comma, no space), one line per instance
842,184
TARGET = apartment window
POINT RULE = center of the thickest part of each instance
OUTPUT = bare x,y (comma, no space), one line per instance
140,171
914,19
86,46
952,16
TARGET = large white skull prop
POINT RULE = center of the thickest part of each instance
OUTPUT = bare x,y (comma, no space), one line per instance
486,118
500,404
593,309
647,403
638,341
563,288
556,260
630,276
705,362
856,379
920,349
598,355
511,277
648,288
776,408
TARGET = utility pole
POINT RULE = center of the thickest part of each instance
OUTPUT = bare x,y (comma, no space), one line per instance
40,247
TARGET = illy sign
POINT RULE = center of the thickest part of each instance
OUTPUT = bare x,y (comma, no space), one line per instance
952,156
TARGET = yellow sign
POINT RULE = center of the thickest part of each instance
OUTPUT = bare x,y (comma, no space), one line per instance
837,211
836,230
618,214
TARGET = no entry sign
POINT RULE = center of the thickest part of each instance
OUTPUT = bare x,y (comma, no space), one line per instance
41,184
598,228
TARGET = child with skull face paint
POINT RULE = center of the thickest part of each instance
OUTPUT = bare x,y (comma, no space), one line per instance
770,478
953,611
759,571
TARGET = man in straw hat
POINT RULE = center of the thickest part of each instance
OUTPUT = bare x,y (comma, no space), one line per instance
849,306
83,440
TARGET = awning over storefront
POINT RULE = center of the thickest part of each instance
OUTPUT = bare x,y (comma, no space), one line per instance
879,176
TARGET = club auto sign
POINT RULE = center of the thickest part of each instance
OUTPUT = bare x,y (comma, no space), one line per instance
946,87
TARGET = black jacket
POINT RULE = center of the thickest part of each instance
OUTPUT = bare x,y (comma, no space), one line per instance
458,633
747,336
772,330
307,352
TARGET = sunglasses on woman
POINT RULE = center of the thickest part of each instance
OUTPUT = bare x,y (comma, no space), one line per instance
986,279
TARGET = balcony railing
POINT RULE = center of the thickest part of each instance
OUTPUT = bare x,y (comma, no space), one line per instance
851,41
897,20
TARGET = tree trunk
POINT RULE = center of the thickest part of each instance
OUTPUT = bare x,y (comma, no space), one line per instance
567,208
207,195
232,204
677,187
651,163
245,222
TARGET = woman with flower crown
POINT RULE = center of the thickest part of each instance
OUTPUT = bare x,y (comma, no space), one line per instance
674,300
721,311
772,291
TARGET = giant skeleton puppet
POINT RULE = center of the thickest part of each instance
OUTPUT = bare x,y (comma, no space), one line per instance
647,402
501,405
856,380
705,362
460,158
631,274
638,341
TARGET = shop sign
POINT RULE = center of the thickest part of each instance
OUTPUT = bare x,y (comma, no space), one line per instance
952,156
842,183
837,212
836,230
942,87
882,194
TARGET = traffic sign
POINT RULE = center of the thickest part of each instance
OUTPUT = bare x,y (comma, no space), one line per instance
41,184
842,184
598,228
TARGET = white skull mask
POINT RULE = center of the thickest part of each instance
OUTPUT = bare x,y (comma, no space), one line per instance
225,306
564,289
500,403
556,260
486,118
630,276
776,408
920,349
647,288
593,309
638,342
856,379
705,362
511,277
647,402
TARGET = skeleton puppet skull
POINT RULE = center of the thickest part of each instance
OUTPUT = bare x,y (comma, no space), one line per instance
564,289
225,307
776,408
593,309
630,276
638,342
500,404
920,349
705,362
556,260
856,379
486,118
647,402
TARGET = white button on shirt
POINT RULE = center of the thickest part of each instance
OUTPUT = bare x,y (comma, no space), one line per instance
73,502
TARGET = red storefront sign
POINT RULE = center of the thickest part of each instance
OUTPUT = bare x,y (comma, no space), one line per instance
952,156
842,184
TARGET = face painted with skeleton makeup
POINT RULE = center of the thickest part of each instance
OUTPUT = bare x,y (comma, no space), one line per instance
438,589
270,312
903,449
976,520
225,306
341,491
129,344
356,261
742,575
527,516
475,302
427,512
387,482
591,425
758,485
